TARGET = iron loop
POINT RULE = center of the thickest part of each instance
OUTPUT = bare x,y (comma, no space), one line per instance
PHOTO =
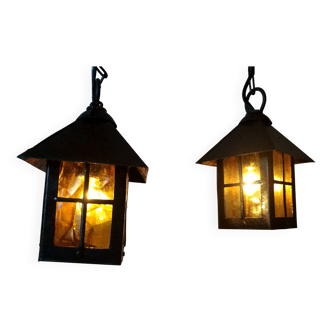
250,89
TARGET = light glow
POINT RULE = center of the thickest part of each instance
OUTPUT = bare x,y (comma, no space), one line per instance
250,176
98,216
95,189
251,189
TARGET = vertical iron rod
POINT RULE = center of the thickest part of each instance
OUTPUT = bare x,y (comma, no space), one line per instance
251,73
93,79
84,207
284,187
241,187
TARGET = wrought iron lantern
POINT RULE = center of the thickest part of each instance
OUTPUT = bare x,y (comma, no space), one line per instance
88,165
255,171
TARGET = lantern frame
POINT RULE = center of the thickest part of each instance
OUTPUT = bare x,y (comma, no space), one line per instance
114,254
268,219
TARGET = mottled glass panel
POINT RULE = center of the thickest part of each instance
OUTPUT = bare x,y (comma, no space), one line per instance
289,200
101,181
251,168
279,200
71,180
278,172
231,170
287,167
67,224
232,202
252,200
98,226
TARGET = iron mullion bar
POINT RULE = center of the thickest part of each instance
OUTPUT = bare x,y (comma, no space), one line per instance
282,182
80,200
253,182
284,187
241,187
242,183
84,207
232,184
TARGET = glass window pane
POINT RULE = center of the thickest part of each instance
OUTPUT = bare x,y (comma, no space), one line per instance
231,170
288,167
101,181
232,202
289,200
250,168
279,200
252,200
71,180
98,226
67,224
278,166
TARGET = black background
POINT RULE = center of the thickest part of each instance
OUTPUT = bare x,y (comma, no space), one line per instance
172,105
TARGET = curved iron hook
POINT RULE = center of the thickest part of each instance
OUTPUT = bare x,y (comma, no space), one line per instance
96,83
252,91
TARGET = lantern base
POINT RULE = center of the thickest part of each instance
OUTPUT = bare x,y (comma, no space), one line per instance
74,255
248,223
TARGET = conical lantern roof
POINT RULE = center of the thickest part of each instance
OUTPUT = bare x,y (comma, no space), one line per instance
92,138
253,134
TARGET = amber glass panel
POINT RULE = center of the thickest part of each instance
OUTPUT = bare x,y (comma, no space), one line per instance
288,167
279,200
289,200
67,224
71,180
251,168
278,166
231,170
232,202
252,200
98,226
101,181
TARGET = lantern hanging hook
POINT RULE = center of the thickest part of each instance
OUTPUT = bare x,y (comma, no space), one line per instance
96,83
250,82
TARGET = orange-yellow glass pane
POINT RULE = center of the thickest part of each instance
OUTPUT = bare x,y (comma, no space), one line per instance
71,180
231,170
288,167
232,202
277,166
67,224
279,200
98,226
289,200
252,200
101,181
250,168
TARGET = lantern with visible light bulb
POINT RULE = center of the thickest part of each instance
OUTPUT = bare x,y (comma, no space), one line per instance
255,171
88,165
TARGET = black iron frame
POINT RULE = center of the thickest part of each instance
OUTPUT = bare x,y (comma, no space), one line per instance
114,254
282,222
268,219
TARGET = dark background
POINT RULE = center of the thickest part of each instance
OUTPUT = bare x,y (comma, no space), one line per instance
172,105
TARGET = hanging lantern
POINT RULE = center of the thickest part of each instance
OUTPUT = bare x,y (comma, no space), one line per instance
255,171
88,165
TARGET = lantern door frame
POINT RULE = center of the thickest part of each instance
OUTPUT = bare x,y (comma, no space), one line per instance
111,256
268,219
